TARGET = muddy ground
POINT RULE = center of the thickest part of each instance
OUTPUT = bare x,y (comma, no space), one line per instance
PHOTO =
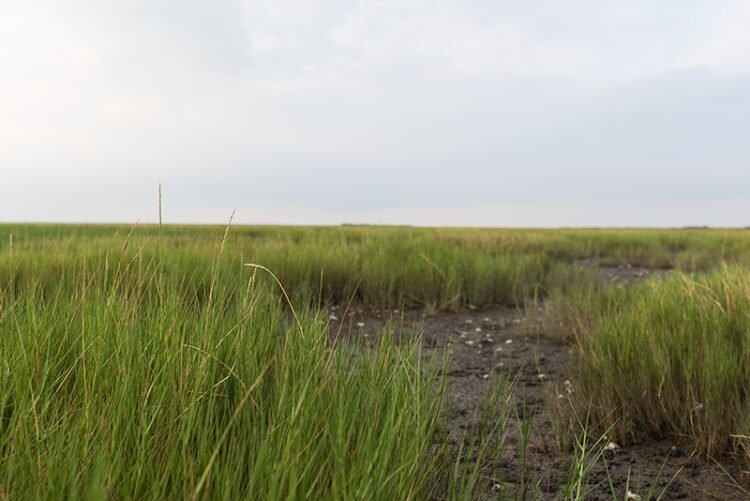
511,344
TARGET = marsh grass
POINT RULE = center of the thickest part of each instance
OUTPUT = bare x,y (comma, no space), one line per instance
671,357
388,267
116,383
148,362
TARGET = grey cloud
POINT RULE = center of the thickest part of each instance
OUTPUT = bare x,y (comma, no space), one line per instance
342,109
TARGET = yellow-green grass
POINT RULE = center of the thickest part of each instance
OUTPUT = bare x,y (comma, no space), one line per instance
378,266
671,357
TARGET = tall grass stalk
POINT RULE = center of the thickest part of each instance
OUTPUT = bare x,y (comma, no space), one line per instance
116,391
478,454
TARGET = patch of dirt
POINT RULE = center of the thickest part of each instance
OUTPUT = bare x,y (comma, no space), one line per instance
621,274
511,343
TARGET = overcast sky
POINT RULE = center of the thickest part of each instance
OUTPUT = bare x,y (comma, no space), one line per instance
429,112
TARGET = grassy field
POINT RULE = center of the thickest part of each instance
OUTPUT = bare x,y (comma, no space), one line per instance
148,362
377,266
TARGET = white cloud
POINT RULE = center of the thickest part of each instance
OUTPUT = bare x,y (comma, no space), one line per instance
725,47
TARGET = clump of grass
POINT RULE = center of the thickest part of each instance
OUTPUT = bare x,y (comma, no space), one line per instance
577,298
129,388
588,450
672,357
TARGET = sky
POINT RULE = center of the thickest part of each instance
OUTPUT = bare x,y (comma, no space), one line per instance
427,112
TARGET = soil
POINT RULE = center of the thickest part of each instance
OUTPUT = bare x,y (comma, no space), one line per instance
622,274
511,343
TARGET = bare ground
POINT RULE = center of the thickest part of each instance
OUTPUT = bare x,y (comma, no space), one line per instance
510,343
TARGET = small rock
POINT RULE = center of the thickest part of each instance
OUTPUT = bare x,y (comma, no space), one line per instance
360,324
468,321
612,447
485,376
469,343
508,341
633,496
568,386
333,317
499,349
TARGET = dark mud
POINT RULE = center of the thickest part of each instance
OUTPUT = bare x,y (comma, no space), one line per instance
511,344
621,274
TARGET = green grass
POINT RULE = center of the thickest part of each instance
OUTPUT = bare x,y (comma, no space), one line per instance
124,386
149,362
433,268
672,357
